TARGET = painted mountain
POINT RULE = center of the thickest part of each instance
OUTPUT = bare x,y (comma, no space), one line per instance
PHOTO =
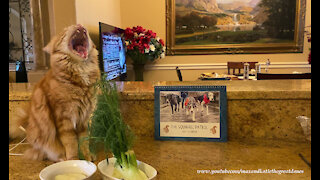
185,6
234,21
223,9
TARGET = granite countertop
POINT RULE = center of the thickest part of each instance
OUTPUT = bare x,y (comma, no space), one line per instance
181,159
246,89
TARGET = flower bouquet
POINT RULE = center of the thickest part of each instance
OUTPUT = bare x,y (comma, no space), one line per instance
309,57
142,45
308,33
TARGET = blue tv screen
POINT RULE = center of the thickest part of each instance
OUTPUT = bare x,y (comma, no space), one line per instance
112,52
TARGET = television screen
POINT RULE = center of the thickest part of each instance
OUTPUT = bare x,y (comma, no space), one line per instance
112,52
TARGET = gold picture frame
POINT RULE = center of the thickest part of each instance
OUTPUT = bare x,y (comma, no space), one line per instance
294,46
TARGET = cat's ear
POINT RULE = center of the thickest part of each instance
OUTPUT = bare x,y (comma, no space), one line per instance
49,47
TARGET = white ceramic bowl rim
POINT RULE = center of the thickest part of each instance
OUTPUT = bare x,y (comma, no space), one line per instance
71,166
106,170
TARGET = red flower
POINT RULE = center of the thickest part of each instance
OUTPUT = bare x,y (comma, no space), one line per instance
161,42
146,46
144,40
151,34
138,29
309,39
141,48
139,40
134,44
130,47
128,33
309,58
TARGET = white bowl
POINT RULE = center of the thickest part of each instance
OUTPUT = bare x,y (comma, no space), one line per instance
70,166
107,169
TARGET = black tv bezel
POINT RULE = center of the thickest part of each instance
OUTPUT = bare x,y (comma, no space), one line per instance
122,76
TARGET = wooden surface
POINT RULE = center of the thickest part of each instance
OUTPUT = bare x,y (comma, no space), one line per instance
269,76
239,66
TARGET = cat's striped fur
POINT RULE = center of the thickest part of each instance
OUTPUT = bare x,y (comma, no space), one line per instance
61,102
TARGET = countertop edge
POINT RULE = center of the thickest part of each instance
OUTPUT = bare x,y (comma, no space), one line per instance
231,95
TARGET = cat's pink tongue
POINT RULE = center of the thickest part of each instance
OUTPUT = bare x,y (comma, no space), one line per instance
82,51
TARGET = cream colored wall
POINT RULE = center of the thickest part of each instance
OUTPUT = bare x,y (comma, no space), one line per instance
89,13
151,15
62,13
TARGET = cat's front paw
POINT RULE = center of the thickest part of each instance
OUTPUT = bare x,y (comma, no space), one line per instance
88,156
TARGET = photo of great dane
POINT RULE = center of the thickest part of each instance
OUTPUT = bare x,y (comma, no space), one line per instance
174,101
204,101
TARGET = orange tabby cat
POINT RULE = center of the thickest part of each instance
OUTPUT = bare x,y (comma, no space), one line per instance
63,100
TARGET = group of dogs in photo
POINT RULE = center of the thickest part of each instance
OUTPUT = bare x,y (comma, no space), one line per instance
190,103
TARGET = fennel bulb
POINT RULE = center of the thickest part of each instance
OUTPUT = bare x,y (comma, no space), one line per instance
108,127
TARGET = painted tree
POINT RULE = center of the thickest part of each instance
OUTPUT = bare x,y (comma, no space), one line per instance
281,18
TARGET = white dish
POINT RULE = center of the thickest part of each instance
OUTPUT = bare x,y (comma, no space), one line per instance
66,167
250,77
107,169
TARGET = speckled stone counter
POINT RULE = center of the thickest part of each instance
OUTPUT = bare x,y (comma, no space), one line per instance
263,132
256,109
264,109
175,160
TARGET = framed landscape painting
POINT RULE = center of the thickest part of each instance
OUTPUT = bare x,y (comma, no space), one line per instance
191,113
234,26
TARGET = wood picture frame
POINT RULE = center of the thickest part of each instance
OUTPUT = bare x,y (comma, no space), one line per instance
201,37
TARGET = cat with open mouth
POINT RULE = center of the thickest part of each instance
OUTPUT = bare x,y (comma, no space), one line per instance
79,42
63,100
